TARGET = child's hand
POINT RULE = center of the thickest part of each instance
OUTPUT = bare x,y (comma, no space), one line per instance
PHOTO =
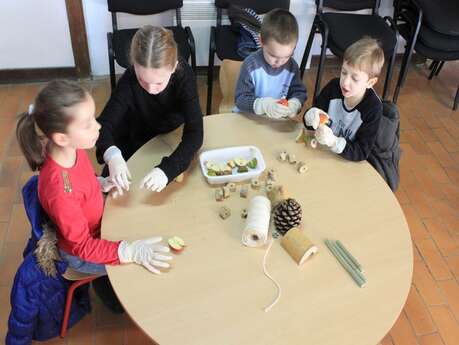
325,136
271,108
155,180
294,105
109,186
312,117
117,167
147,252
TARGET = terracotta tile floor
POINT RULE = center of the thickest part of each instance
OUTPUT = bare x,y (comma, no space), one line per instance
429,196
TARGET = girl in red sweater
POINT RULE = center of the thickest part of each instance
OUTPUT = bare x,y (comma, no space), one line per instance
68,188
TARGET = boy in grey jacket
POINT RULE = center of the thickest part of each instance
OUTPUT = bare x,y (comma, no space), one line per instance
269,81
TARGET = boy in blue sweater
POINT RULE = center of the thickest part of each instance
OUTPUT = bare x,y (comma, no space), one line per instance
270,76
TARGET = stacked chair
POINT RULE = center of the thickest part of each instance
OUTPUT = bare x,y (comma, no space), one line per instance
431,28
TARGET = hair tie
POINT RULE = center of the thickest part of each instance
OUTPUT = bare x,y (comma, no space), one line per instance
31,109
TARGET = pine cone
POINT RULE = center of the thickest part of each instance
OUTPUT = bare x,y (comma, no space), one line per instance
287,215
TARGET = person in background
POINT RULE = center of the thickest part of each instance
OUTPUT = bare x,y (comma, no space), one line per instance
269,82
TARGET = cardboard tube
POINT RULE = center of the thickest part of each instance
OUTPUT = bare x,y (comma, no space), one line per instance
298,245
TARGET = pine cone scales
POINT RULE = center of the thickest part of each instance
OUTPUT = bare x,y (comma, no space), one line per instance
287,215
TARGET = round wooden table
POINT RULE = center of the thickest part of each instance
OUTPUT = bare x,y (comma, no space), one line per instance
216,291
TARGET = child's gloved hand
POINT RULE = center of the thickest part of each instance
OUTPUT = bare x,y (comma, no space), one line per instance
312,117
268,106
325,136
117,167
145,252
107,185
155,180
294,105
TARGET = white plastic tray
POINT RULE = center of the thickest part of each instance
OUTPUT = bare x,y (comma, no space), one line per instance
228,153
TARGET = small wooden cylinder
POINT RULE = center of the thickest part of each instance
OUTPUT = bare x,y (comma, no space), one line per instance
298,245
277,194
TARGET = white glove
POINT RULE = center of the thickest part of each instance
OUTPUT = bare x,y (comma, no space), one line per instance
270,107
312,118
119,172
146,253
155,180
325,136
294,105
107,185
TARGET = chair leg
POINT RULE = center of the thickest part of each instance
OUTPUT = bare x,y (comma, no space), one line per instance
404,68
439,68
433,68
307,49
193,62
68,302
456,99
111,61
320,69
390,69
192,45
432,64
210,80
210,71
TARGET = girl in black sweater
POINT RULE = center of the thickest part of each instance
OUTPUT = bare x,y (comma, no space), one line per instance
155,95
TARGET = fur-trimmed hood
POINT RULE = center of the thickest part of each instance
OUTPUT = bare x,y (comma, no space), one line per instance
46,250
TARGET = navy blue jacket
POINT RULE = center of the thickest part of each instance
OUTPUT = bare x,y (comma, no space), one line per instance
38,301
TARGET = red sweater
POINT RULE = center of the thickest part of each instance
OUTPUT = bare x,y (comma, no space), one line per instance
73,201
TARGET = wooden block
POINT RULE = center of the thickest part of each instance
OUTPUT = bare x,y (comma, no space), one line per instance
244,191
291,158
302,167
272,175
231,186
219,194
283,156
255,183
226,192
224,212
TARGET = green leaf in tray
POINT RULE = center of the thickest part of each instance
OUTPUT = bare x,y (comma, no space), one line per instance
253,163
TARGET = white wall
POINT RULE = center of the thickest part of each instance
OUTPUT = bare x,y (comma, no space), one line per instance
39,34
34,34
99,21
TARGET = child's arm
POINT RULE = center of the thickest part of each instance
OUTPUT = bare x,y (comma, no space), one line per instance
66,213
193,132
359,149
245,90
113,115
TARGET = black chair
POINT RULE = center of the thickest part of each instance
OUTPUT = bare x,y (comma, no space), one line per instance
339,30
119,41
435,68
223,39
431,29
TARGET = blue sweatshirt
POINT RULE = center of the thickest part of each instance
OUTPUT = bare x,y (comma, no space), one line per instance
258,79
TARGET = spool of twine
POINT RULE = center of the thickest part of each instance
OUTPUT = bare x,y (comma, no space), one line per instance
256,228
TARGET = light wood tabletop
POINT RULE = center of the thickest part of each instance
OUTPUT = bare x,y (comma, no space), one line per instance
216,292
